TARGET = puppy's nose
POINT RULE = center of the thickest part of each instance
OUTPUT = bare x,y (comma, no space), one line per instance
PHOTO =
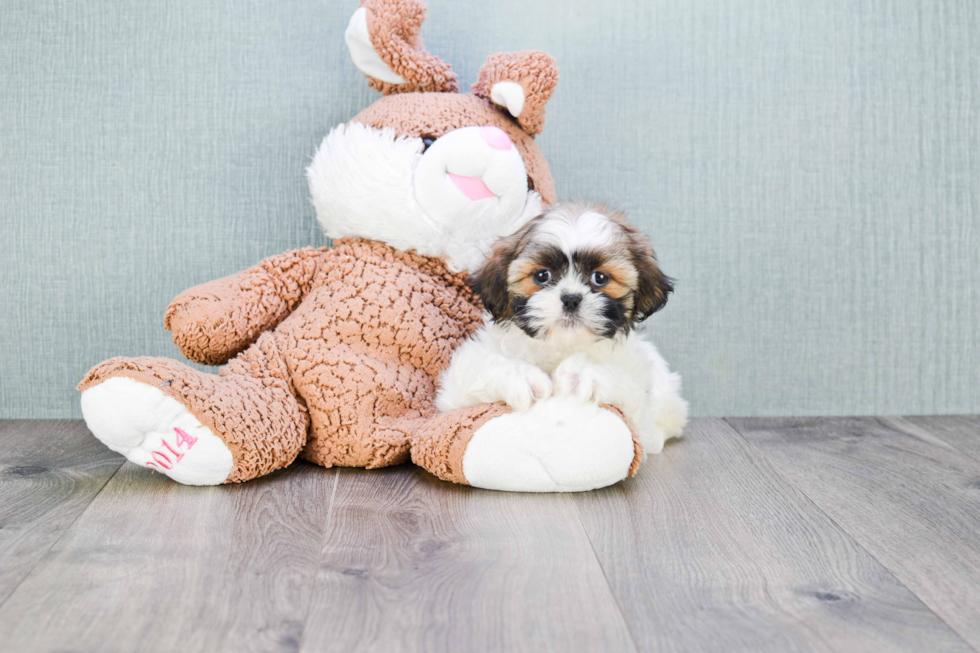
571,301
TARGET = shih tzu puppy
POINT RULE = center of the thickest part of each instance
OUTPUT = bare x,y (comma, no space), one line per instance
564,295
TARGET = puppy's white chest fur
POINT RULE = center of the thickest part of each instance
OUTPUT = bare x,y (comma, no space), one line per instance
550,352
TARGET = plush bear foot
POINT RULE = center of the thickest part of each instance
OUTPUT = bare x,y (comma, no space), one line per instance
559,445
154,430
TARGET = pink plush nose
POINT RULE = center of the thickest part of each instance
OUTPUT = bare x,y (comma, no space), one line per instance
495,138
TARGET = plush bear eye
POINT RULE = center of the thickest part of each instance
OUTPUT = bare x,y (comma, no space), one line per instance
541,277
599,279
427,142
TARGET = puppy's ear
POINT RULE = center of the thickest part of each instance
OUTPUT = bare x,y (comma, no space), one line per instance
652,285
490,281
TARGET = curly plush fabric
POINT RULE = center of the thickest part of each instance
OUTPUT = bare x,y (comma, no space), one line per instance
348,378
536,72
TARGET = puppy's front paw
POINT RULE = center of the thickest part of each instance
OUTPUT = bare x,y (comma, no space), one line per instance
522,385
582,379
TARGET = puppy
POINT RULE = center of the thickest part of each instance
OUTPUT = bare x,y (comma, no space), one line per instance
564,295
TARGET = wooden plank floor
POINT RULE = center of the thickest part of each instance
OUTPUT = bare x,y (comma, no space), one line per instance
827,534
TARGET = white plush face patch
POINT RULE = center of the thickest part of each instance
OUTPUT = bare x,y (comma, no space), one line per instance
452,199
473,174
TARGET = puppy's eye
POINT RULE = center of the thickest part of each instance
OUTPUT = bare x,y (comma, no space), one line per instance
427,142
599,279
541,277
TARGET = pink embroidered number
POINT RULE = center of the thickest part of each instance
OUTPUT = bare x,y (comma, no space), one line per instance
183,438
162,460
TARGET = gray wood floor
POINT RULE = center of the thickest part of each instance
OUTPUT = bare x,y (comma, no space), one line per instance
825,534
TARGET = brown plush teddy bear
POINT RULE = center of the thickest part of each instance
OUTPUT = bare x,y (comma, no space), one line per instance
333,354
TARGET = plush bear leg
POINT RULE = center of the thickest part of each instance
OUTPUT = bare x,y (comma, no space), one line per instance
559,445
363,404
197,428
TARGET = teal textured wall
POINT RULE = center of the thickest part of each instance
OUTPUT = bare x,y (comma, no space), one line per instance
808,171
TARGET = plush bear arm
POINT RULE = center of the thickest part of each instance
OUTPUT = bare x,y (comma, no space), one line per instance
214,321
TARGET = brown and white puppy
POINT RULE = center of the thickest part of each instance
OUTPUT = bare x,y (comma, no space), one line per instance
574,270
564,294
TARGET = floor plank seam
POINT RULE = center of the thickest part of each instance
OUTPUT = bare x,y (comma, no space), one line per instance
605,578
61,536
319,556
848,533
894,427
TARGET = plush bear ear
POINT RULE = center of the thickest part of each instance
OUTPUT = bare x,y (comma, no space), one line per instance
384,42
521,83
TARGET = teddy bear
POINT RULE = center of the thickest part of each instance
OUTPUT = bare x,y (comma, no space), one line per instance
334,354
